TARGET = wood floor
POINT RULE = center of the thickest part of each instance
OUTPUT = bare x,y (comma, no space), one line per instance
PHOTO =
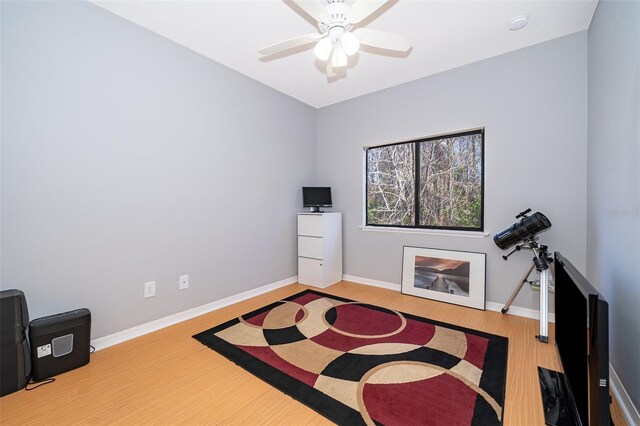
167,377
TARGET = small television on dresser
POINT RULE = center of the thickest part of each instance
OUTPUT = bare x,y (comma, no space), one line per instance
580,396
316,197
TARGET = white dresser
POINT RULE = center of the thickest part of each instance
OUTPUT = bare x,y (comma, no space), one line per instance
319,248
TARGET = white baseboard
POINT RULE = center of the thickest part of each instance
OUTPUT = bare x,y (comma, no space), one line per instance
490,306
629,411
519,311
139,330
373,283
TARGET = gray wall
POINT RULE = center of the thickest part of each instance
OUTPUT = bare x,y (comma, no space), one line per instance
532,103
127,158
613,190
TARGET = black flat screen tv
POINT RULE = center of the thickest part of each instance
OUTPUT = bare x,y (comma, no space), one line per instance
582,338
316,197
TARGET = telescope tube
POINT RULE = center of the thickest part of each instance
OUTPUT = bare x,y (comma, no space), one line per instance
527,227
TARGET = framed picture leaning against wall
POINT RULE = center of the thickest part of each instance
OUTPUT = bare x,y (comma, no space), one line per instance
445,275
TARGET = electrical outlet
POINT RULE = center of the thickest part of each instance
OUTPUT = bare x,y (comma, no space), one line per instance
183,282
149,289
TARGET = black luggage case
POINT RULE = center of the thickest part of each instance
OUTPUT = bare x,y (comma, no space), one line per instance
59,343
15,362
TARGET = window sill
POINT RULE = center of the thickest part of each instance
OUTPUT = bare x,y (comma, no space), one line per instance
436,232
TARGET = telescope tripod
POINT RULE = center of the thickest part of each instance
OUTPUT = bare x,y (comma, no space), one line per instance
540,262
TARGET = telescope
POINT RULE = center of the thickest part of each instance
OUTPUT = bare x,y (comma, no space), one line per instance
523,230
524,235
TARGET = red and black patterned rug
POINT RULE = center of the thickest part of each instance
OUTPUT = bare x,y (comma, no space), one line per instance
356,363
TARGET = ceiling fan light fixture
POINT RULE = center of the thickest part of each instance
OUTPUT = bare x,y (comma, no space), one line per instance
350,43
323,49
339,58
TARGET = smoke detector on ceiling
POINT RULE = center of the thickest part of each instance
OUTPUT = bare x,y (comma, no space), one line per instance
518,22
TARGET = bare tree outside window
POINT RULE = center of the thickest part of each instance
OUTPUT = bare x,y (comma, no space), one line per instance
449,183
391,185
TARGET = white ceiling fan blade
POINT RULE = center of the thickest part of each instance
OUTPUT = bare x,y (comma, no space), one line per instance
361,9
382,40
290,44
313,9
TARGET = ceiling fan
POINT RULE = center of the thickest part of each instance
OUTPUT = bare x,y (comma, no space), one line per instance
337,37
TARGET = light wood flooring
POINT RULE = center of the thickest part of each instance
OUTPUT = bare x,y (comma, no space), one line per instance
167,377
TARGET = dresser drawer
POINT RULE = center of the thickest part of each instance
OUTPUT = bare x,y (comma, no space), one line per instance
310,271
310,225
310,247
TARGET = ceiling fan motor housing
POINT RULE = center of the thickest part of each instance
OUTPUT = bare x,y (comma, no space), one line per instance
338,22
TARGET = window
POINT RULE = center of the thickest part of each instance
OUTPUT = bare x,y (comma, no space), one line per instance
433,183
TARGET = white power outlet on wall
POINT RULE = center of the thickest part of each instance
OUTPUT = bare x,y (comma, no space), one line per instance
183,282
149,289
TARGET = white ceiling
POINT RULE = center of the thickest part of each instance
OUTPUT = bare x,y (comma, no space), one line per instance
445,34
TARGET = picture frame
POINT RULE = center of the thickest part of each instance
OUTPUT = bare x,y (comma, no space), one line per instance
451,276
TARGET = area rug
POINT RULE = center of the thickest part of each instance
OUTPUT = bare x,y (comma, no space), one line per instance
357,363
